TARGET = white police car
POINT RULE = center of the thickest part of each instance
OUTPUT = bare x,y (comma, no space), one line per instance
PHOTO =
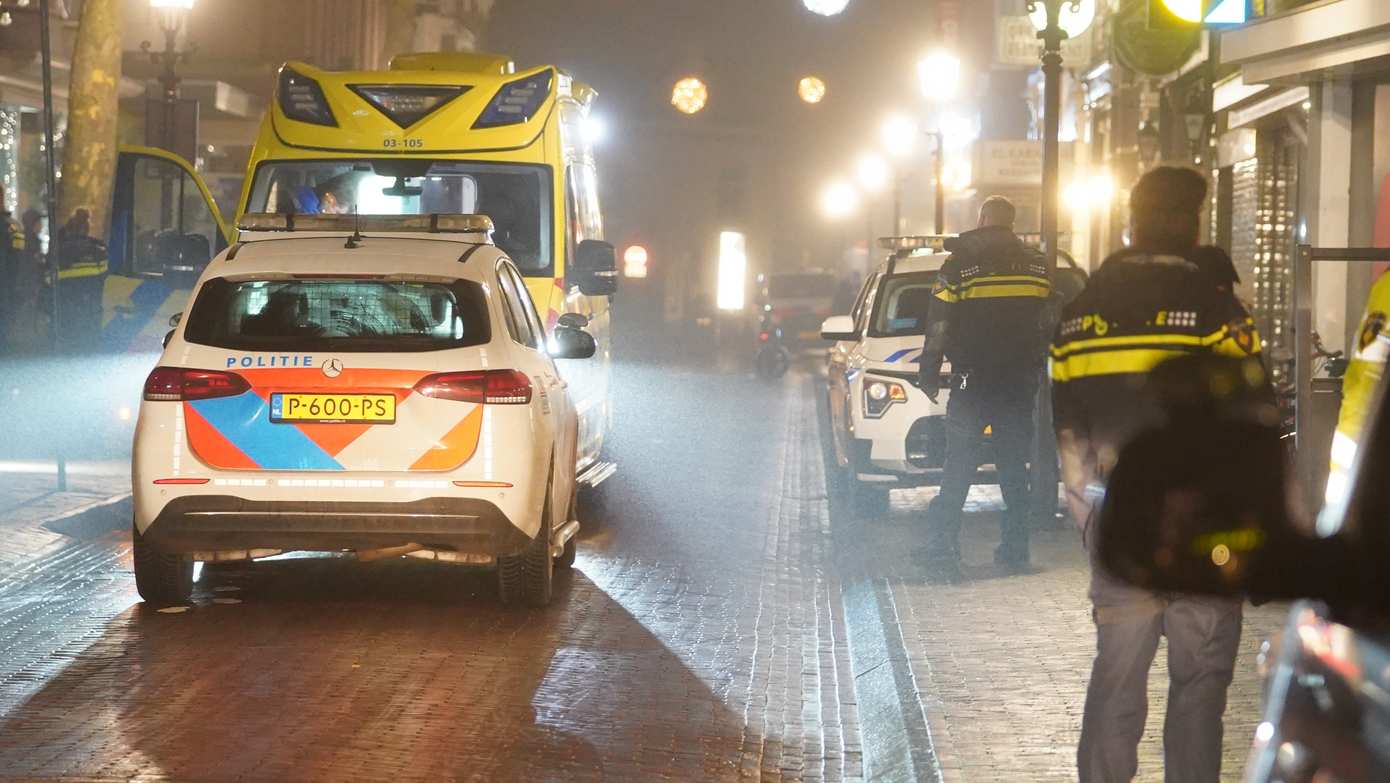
885,432
376,384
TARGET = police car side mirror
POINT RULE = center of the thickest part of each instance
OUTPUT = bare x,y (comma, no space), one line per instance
569,343
167,337
595,268
1199,500
838,327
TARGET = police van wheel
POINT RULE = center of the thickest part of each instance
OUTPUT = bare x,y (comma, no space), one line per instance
161,579
528,578
868,499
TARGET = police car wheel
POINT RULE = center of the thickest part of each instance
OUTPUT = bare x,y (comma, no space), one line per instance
527,578
162,579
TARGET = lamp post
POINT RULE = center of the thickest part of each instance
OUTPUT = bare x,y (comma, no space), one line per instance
899,137
872,172
172,16
1055,21
938,76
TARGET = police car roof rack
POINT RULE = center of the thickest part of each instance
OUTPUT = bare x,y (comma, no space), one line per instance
433,223
903,247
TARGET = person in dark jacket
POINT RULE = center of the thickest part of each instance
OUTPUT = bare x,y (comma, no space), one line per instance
987,317
1161,298
11,261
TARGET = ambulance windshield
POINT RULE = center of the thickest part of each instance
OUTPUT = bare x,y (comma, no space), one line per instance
516,197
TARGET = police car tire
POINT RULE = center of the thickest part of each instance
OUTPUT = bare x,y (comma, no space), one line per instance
161,579
528,578
571,551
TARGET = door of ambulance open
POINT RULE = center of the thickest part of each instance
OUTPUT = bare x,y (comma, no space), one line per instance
164,229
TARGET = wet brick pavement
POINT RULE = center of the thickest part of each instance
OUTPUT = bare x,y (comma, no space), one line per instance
726,620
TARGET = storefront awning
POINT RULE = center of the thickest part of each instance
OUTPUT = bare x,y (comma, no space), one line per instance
1308,40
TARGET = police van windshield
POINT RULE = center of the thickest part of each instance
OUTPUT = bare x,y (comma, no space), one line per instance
901,305
516,197
338,315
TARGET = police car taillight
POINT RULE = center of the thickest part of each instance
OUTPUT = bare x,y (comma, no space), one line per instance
493,387
172,384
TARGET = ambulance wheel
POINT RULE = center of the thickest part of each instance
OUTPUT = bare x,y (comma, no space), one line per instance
868,499
162,579
527,578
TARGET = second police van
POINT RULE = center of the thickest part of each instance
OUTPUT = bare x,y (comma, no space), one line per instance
435,133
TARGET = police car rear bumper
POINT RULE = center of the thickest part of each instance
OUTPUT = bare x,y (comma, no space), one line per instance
213,523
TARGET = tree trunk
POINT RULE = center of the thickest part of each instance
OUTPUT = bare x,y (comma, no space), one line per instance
89,151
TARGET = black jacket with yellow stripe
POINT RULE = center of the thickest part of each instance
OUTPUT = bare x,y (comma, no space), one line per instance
1137,311
988,306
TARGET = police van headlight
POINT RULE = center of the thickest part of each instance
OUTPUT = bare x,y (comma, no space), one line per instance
879,396
302,99
516,102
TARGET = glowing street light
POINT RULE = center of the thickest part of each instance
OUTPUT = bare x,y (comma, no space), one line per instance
689,95
873,173
595,129
938,75
733,270
899,136
1074,19
811,89
839,200
825,7
635,261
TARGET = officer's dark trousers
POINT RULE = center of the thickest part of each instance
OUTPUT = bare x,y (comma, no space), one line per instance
1203,637
1006,406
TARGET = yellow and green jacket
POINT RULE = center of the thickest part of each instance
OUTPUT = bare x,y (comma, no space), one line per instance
1138,310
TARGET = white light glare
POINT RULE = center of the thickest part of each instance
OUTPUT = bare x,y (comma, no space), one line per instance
825,7
595,129
733,268
839,199
899,136
873,173
938,75
186,5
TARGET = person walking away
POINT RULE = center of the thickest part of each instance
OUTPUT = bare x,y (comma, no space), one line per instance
987,318
11,256
1145,304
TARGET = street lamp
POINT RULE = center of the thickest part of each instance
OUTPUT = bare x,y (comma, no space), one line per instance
938,75
1055,21
825,7
839,200
811,89
172,15
689,95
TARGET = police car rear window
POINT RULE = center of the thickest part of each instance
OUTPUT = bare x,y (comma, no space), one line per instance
347,315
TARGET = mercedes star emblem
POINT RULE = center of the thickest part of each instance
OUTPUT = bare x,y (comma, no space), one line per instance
333,368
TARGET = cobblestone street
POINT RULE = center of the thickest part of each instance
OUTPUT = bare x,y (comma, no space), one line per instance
726,620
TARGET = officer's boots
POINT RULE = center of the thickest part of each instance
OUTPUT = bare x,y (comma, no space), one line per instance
943,536
1012,552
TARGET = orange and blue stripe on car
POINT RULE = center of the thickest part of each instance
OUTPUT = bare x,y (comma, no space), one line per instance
237,432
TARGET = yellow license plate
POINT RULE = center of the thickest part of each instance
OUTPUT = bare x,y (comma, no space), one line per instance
335,408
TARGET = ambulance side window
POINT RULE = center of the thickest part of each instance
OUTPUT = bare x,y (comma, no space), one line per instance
171,227
517,323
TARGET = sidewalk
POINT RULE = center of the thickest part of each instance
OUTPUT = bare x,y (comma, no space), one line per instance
1001,662
29,497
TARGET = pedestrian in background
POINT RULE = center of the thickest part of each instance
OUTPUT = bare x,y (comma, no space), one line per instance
1161,298
987,318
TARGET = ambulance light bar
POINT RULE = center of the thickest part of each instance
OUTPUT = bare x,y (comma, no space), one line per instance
435,223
